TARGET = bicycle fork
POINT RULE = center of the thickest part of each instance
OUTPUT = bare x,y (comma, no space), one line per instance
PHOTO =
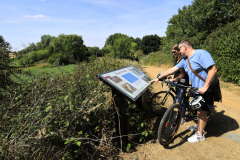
165,98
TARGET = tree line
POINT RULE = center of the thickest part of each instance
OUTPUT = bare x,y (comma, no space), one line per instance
207,24
68,49
212,25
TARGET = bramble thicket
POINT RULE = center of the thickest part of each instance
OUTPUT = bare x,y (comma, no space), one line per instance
67,116
69,113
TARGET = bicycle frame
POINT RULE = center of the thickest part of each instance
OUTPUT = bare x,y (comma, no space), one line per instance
170,88
171,119
181,95
184,97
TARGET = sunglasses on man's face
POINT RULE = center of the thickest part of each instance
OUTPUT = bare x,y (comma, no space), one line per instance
181,47
174,51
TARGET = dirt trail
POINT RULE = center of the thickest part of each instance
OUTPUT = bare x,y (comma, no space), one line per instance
222,132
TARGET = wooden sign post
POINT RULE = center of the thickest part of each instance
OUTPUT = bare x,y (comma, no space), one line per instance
126,83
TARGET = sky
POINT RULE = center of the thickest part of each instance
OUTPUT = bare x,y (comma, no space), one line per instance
25,21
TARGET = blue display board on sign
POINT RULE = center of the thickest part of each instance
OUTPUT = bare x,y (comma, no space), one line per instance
129,81
130,77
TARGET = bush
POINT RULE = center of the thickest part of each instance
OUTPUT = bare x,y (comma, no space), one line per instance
59,59
139,54
224,45
69,116
158,59
33,57
43,54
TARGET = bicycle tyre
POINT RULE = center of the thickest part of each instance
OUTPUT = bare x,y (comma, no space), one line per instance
159,100
169,124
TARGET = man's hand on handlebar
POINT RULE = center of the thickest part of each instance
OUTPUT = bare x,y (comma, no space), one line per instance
160,79
202,90
172,80
154,80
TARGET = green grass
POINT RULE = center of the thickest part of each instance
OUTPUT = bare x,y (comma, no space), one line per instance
36,72
158,59
15,63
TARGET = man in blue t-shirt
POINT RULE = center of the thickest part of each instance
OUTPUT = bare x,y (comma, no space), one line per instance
203,64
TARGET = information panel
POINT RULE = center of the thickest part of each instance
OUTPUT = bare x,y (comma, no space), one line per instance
129,81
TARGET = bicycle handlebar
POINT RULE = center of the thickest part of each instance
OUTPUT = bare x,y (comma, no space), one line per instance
191,92
180,85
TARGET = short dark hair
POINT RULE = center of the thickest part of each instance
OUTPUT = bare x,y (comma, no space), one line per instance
186,42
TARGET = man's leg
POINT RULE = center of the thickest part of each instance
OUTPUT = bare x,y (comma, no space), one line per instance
202,121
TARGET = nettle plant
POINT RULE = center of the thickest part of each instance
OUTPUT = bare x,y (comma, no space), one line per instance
66,116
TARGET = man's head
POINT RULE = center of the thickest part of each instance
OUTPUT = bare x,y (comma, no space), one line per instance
185,48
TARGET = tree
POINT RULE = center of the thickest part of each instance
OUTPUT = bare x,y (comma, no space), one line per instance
106,50
45,41
73,45
69,48
195,22
4,63
121,45
150,43
138,41
121,48
112,38
224,46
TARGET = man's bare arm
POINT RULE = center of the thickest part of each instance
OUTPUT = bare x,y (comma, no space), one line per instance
212,71
166,73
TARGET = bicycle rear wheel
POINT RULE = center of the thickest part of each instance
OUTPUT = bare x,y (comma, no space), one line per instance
160,100
169,124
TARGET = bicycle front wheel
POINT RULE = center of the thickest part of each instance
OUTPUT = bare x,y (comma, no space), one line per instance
169,124
160,100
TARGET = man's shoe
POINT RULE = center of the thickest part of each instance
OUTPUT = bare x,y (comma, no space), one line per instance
193,128
183,121
196,138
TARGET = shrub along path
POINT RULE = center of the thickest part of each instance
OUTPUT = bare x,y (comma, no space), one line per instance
222,131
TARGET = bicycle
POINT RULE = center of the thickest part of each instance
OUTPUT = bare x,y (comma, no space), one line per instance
170,122
162,99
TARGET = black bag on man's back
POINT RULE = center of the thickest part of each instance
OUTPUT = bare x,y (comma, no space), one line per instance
217,94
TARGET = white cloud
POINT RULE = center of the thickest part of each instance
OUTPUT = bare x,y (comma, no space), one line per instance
36,16
103,3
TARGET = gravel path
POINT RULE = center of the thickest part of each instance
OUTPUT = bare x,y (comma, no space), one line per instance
222,132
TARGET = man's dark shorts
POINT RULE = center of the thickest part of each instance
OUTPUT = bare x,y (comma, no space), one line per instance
208,97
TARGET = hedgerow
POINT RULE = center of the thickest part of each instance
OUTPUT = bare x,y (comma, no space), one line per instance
224,45
67,116
158,58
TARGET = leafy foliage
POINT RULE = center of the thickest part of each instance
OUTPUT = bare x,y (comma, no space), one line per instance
196,21
4,64
68,48
150,43
138,41
225,51
121,46
65,116
210,25
158,59
44,43
65,49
